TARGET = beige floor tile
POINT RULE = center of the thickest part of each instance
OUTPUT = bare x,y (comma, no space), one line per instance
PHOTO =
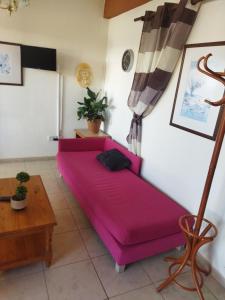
62,187
117,283
68,248
11,169
174,292
42,173
156,267
52,164
65,221
40,168
50,182
72,201
33,172
18,166
74,282
76,210
52,187
62,184
14,165
57,174
47,174
93,243
81,219
24,288
9,174
2,171
37,165
2,174
215,287
146,293
22,271
49,177
58,201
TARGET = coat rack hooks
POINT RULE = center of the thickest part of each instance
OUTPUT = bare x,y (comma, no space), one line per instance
215,75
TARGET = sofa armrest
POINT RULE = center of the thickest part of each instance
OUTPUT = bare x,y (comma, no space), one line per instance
78,144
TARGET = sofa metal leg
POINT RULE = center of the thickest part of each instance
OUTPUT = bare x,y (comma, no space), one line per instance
120,269
180,248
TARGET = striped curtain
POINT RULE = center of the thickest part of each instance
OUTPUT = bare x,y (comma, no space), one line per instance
164,34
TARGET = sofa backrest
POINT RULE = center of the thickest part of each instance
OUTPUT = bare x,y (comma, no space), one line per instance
135,160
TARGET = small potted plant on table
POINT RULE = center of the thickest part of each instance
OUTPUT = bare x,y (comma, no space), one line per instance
19,200
92,109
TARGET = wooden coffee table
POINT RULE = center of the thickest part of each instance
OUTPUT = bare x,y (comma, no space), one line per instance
26,236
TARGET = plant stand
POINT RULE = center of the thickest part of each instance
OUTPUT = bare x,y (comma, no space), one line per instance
197,230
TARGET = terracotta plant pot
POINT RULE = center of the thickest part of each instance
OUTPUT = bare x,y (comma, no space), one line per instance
18,204
94,125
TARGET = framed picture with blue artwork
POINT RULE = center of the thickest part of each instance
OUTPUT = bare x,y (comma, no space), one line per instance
190,111
11,72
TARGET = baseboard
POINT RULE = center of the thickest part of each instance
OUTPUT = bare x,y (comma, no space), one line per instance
36,158
215,273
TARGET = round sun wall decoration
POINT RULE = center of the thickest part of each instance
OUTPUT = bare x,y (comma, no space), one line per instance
84,75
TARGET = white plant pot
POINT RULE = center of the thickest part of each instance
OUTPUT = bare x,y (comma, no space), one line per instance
18,205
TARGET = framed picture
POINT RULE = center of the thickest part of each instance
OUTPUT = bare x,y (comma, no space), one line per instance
10,64
190,111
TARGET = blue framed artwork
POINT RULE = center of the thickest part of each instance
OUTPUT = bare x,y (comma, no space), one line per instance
10,64
190,111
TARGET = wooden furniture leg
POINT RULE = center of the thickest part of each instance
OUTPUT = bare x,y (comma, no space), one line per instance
48,260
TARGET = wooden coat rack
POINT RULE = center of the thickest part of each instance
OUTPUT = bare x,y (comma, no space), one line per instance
197,230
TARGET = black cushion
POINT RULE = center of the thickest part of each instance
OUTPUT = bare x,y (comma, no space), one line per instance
113,160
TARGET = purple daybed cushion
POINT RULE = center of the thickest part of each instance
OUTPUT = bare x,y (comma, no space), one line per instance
132,210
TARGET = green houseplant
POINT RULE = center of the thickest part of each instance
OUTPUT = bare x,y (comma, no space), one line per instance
93,109
19,200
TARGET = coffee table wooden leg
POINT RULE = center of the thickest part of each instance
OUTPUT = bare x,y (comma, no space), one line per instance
48,259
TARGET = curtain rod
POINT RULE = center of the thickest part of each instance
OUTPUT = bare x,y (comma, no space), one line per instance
142,18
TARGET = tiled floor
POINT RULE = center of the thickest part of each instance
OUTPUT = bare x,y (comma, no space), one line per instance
82,268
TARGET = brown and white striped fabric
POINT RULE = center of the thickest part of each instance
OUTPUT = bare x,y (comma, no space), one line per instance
164,34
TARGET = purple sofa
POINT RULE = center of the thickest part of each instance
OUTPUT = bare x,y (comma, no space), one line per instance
134,219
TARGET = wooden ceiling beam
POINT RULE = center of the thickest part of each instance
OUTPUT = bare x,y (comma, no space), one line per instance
114,8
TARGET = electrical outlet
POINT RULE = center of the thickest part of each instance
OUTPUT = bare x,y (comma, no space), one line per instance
52,138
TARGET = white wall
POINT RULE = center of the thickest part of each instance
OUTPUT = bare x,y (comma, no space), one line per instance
174,160
79,33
